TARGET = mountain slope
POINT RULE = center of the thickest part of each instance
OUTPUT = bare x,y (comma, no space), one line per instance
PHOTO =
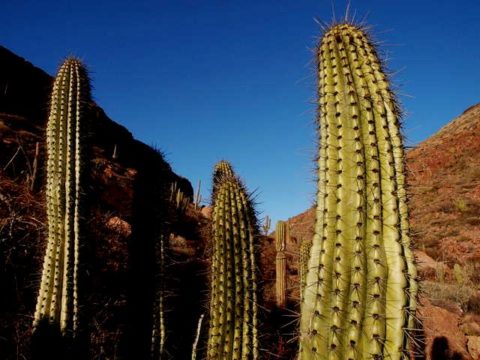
444,178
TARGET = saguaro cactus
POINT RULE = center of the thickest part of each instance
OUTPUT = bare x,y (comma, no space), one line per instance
281,233
233,297
360,297
66,129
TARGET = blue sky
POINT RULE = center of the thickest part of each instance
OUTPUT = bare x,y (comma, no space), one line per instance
212,79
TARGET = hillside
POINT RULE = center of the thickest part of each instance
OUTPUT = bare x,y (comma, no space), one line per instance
444,178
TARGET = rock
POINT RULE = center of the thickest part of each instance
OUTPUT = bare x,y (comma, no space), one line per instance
443,336
428,268
471,325
207,212
119,226
473,345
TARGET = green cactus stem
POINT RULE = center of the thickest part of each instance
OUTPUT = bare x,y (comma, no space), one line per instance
281,234
66,129
360,295
233,325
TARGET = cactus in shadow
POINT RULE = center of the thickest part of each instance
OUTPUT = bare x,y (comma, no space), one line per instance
158,324
303,264
57,300
281,234
233,325
360,295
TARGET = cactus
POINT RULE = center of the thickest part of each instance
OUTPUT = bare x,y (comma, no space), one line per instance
281,234
267,222
233,330
158,328
222,169
459,274
360,294
66,129
303,264
178,198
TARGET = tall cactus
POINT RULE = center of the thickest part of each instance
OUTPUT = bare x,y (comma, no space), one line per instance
66,129
233,330
360,297
281,233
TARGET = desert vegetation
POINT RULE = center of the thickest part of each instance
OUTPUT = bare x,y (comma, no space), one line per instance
135,268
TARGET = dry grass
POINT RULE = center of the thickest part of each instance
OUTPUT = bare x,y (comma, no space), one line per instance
462,293
21,228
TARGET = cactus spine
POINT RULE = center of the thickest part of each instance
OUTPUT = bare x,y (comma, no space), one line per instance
360,295
281,233
58,296
233,299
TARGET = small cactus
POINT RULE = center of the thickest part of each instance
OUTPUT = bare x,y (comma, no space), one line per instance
66,130
459,274
233,330
361,287
281,234
267,223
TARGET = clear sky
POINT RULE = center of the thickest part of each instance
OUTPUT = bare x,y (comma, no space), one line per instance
210,79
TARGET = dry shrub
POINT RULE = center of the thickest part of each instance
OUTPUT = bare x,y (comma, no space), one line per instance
447,295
